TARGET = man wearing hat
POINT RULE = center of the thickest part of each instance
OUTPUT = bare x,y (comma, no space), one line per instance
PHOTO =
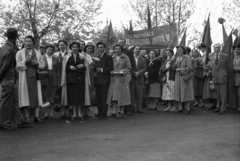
236,68
10,115
220,67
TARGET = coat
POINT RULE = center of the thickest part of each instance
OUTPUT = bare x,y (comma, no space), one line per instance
140,67
184,91
120,83
21,68
56,71
220,71
106,63
236,65
153,71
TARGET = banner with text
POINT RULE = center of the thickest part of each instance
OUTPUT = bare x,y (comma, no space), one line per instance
157,37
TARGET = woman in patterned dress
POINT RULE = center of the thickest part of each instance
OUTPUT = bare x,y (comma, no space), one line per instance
168,86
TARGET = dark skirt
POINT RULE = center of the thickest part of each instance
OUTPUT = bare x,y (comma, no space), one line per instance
198,87
49,91
32,91
75,93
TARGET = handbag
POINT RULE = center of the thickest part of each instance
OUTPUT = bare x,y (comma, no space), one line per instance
42,74
46,104
199,73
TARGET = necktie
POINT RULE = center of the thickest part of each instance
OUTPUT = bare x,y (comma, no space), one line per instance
216,60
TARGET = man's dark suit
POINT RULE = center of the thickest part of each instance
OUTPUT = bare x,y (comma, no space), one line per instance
10,114
220,78
103,82
137,83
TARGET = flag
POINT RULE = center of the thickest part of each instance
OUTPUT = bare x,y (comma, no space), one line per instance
206,38
130,26
183,41
110,35
149,18
224,34
236,32
227,48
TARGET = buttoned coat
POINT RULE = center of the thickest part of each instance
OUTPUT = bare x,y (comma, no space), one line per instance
120,83
236,65
184,91
220,70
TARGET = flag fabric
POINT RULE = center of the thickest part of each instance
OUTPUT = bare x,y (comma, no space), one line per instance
227,49
225,36
206,38
130,26
236,33
149,18
110,35
183,41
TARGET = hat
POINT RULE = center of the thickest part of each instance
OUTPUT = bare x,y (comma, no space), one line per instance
202,45
41,46
169,49
11,33
236,46
89,44
217,45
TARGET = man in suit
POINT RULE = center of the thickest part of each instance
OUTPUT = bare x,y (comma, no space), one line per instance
137,81
220,67
10,115
129,53
103,69
236,68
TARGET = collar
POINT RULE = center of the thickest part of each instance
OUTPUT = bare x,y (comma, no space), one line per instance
121,56
49,56
136,56
237,56
10,44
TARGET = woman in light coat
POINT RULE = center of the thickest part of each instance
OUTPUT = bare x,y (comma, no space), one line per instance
184,90
29,61
119,90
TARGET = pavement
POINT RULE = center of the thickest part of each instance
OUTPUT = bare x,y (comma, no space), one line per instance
151,136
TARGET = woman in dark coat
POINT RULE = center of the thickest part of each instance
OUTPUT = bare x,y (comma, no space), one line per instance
152,73
198,78
49,85
75,79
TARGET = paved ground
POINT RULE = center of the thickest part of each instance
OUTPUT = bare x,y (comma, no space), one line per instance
152,136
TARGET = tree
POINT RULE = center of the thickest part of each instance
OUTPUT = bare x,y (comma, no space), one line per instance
50,19
164,12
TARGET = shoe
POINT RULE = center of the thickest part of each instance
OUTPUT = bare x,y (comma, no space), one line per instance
195,104
202,106
9,128
187,112
179,111
28,119
129,114
153,109
212,108
52,117
167,109
81,118
222,112
103,116
86,116
173,109
216,111
38,120
73,118
63,115
120,115
139,112
96,115
46,117
113,115
24,124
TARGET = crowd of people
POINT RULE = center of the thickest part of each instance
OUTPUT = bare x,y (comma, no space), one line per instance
72,77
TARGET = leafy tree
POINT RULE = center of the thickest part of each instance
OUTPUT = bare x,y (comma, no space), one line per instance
50,19
163,12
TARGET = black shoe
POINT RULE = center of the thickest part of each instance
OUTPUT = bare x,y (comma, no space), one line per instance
113,115
222,112
96,115
179,111
216,111
38,120
139,112
129,114
86,116
212,108
103,116
187,112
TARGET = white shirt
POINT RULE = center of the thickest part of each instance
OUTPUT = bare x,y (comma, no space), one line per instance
49,61
30,52
136,59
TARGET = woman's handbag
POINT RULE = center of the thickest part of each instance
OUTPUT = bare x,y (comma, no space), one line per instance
42,74
46,104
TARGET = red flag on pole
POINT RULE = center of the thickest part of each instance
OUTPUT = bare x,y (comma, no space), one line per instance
149,23
183,41
110,35
206,38
225,36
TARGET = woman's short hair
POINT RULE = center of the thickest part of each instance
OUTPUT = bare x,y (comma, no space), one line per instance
170,50
73,43
188,49
117,45
30,37
154,52
50,46
64,41
183,48
101,43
